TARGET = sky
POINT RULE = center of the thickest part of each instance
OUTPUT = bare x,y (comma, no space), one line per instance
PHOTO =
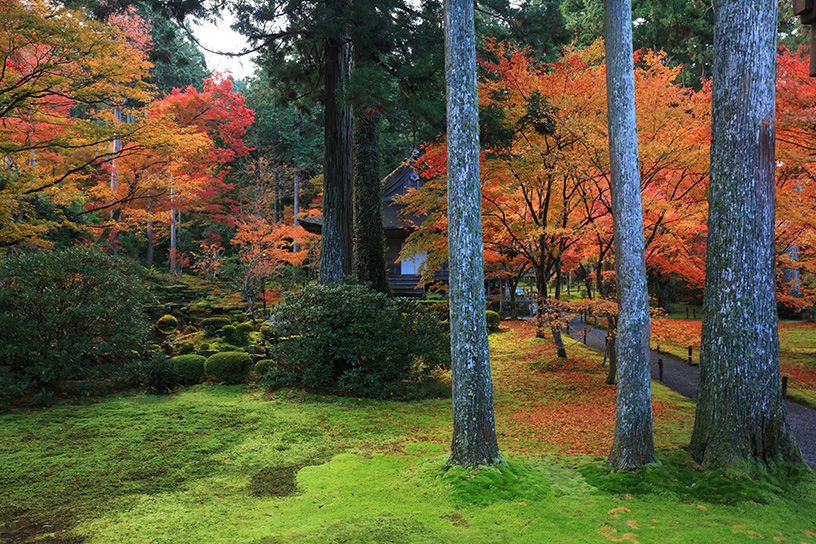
220,37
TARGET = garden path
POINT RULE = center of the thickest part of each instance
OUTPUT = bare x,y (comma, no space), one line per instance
680,377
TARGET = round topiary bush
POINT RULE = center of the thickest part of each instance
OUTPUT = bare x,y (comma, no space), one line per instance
167,324
184,347
245,328
493,320
229,367
263,366
212,324
189,368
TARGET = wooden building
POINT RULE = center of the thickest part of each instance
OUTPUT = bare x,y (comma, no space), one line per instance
403,275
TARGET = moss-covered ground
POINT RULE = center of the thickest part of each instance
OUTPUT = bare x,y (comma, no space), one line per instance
214,464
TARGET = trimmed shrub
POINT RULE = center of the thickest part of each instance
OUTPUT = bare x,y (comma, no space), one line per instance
211,325
160,376
264,365
229,367
185,347
71,314
167,324
347,338
189,368
245,328
269,333
493,320
439,308
237,335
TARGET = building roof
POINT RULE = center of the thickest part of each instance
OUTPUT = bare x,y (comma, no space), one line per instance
395,184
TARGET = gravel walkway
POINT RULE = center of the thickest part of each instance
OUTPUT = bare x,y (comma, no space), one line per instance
680,377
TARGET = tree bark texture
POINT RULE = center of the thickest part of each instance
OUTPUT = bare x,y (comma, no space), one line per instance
369,241
633,446
740,412
474,433
336,244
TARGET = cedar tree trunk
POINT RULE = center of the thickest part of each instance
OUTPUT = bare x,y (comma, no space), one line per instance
474,431
369,242
633,446
740,412
335,249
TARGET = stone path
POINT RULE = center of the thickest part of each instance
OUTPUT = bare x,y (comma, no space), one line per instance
680,377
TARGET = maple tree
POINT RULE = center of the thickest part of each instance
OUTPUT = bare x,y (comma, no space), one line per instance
62,77
266,248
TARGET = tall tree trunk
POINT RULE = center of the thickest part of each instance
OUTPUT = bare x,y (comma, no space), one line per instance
335,249
474,429
633,446
740,412
369,242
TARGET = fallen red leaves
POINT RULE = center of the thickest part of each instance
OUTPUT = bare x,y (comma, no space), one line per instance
544,406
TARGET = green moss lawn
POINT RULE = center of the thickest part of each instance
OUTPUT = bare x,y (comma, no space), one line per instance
233,464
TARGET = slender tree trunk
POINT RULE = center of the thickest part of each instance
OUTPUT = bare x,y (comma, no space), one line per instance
278,209
544,318
369,241
633,446
335,250
151,239
599,287
474,430
740,412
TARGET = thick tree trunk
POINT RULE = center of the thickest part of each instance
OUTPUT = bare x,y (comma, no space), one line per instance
633,446
740,412
474,430
335,249
369,241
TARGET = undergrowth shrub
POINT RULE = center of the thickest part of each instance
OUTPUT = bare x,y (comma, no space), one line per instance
211,325
71,314
189,368
229,367
159,375
493,320
184,347
237,334
348,339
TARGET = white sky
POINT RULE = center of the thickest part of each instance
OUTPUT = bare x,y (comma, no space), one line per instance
220,37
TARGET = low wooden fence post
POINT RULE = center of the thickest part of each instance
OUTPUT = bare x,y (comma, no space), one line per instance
660,370
689,356
585,336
